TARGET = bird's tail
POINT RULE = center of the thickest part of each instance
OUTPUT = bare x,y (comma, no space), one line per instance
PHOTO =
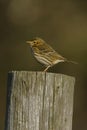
73,62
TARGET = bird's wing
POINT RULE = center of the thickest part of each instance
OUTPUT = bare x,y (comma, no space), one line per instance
50,52
46,49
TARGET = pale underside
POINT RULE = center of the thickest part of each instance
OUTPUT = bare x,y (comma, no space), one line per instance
49,60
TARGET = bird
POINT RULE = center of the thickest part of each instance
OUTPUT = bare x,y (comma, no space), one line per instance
45,54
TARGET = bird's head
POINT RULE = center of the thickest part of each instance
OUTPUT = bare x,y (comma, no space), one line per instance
36,42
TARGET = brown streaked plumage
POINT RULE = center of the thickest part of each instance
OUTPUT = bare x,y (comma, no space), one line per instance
45,54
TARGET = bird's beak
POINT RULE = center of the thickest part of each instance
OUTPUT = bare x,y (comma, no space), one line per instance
29,42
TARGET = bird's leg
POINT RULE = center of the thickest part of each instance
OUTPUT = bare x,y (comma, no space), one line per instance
46,68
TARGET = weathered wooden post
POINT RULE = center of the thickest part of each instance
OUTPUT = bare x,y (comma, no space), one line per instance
39,101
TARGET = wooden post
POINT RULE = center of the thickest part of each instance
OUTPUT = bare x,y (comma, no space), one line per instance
39,101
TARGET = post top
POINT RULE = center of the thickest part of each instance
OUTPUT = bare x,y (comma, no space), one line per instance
41,72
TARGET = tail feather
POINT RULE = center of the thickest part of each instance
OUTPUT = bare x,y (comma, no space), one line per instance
73,62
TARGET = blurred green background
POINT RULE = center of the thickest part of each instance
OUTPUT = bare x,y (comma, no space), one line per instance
63,24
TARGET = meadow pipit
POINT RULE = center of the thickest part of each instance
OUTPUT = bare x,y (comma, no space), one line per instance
45,54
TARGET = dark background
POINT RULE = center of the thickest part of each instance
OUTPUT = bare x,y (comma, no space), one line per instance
63,24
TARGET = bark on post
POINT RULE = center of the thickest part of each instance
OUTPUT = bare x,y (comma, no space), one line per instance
39,101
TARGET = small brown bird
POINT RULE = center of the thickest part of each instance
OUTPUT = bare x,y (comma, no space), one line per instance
45,54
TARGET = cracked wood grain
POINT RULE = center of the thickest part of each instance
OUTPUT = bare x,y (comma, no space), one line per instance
39,101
